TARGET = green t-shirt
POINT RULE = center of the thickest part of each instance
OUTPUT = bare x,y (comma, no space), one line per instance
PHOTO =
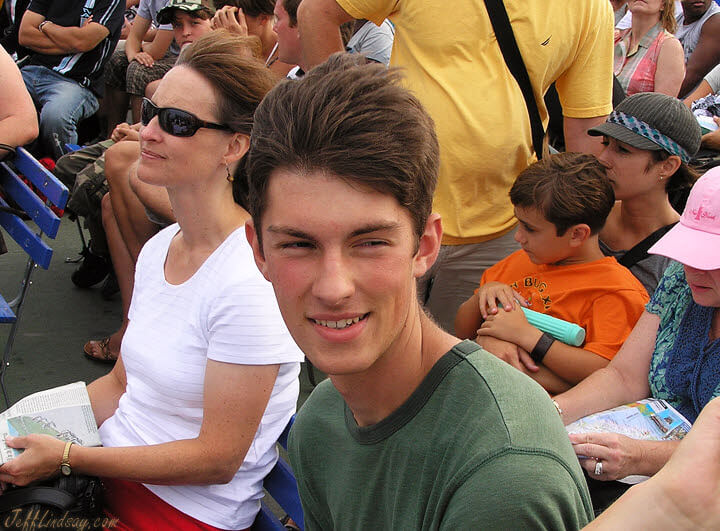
477,445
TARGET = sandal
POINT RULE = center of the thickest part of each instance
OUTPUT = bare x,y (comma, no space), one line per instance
289,524
106,356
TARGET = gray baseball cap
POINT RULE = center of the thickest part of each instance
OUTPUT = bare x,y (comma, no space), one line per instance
653,121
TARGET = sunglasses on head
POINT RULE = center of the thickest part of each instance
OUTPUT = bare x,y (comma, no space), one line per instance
175,122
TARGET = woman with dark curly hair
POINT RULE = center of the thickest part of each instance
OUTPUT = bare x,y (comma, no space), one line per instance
649,140
252,18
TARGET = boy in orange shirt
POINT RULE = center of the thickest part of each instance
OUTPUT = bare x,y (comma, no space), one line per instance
561,203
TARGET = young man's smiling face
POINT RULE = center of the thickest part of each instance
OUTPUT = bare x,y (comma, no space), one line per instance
343,260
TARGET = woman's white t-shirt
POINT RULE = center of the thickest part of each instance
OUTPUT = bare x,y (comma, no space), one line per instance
225,312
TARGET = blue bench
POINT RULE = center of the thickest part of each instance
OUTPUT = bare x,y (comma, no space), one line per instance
27,234
281,485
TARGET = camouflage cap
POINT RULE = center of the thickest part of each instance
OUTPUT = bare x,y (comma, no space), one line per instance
165,15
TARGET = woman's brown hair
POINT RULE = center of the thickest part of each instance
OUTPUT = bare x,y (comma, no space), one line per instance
240,82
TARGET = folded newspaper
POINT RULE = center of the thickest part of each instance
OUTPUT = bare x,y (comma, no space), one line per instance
63,412
650,419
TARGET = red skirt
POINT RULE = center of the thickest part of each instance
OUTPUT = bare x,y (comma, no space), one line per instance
136,508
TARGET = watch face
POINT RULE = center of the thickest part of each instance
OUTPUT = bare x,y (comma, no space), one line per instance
65,470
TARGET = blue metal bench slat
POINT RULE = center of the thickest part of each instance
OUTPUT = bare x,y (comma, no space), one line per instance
45,181
6,313
30,242
29,201
280,483
266,520
28,237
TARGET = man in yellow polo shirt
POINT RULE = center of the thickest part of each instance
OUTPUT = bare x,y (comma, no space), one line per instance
453,64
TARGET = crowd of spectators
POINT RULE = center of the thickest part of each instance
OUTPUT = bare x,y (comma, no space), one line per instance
393,211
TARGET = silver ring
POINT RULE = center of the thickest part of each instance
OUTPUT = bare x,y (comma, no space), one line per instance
598,468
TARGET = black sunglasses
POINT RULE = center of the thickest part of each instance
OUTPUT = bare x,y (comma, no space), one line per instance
175,122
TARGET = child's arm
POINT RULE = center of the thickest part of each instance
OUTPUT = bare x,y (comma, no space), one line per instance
520,359
482,303
571,364
468,318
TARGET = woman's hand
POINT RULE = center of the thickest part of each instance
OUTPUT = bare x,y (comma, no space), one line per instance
712,140
684,494
40,460
618,454
493,292
232,19
124,131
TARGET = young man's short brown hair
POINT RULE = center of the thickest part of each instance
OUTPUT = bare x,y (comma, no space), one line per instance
568,189
349,119
291,6
254,8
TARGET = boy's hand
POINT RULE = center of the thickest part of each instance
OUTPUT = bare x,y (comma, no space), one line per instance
144,59
493,292
509,353
512,326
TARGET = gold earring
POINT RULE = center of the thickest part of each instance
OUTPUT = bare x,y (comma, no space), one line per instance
229,177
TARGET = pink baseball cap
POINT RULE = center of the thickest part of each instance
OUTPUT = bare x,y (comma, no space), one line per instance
695,240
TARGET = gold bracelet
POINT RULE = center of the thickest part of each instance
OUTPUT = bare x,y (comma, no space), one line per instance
65,468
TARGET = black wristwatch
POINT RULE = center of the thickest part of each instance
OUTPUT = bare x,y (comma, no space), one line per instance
541,347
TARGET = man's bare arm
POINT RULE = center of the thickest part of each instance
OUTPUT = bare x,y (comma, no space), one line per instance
76,39
133,44
705,56
31,37
319,23
158,47
576,137
18,118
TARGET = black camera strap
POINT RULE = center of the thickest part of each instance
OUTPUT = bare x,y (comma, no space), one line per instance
514,61
22,496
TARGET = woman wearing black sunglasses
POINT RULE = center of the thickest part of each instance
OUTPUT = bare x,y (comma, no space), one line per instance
207,376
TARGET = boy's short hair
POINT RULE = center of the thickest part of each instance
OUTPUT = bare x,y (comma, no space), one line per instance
349,119
568,189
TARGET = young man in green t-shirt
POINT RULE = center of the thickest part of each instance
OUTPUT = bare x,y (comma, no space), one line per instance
414,429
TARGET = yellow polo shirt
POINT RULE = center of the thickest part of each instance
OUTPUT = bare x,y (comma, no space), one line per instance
454,66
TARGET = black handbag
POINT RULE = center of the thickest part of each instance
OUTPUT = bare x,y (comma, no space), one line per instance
62,503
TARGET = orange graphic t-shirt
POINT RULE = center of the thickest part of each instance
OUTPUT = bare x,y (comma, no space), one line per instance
601,296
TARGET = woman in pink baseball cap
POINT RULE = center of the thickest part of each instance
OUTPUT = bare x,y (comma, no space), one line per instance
673,353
